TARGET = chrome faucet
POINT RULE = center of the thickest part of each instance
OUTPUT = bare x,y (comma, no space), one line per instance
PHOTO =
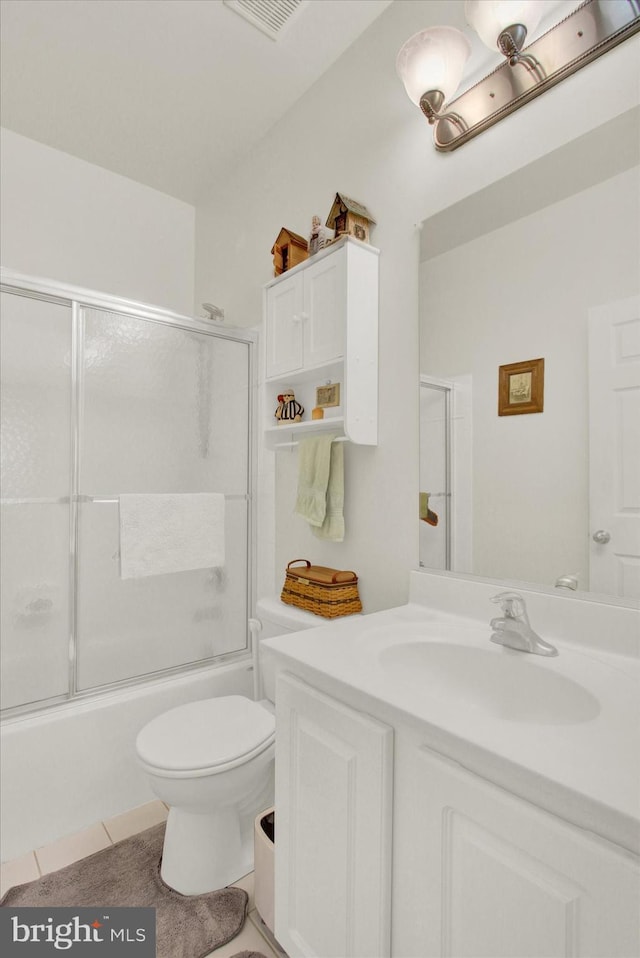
513,629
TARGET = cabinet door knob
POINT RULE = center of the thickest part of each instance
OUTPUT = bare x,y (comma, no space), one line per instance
304,316
296,318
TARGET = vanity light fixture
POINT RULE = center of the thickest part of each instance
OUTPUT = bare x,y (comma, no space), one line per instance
431,63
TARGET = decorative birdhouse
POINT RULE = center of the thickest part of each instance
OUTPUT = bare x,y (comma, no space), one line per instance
288,250
349,218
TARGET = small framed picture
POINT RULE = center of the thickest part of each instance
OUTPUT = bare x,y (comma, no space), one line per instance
521,388
328,395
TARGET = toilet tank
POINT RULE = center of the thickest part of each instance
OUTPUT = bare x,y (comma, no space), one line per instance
276,618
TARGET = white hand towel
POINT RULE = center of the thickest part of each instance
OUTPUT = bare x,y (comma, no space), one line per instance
162,534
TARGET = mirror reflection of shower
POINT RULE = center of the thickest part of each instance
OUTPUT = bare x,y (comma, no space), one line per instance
435,475
445,477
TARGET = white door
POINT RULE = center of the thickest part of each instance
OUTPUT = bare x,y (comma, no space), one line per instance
614,448
284,326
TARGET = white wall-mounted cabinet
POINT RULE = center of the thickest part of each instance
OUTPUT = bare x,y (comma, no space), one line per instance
321,327
333,826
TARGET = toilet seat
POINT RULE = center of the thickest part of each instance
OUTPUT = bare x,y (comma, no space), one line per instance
206,737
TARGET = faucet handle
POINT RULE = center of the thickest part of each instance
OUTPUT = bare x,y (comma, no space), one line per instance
512,604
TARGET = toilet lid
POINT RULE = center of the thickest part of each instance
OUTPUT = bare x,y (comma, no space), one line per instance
205,734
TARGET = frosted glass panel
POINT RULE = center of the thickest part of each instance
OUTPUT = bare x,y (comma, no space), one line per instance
34,603
165,409
36,431
129,627
35,399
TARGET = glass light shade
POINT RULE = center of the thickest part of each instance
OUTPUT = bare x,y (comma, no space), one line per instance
433,59
490,17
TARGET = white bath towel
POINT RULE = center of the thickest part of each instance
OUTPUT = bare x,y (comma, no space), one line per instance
161,534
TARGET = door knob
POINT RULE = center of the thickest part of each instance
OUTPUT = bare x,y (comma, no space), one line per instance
601,537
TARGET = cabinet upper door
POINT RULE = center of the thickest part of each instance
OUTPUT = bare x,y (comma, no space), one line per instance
325,305
285,303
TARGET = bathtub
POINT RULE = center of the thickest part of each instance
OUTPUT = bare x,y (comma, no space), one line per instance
73,765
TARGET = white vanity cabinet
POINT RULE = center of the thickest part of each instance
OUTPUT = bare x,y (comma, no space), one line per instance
321,327
480,872
333,826
476,871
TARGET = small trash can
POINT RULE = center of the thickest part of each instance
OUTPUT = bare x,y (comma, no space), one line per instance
264,840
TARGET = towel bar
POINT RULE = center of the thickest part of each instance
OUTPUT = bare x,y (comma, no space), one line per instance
284,445
65,500
115,499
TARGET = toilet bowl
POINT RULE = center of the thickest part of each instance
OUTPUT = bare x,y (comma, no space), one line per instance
212,763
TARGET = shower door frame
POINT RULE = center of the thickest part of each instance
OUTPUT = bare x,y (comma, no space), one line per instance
77,299
446,389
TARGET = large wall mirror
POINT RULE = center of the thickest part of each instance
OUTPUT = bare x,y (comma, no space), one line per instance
543,265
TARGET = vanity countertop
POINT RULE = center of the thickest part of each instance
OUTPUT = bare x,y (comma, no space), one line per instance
561,732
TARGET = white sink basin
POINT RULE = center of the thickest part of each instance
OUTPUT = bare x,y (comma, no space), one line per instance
503,683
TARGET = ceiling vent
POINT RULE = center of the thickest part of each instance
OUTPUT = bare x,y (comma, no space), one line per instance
270,16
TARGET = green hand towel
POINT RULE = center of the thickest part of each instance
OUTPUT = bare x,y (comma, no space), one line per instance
333,526
314,460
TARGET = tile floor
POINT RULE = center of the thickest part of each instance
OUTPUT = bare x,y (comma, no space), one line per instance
70,849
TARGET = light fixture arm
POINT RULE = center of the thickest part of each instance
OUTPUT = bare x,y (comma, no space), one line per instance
432,102
511,42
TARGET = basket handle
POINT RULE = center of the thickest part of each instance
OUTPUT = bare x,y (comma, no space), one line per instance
306,561
334,577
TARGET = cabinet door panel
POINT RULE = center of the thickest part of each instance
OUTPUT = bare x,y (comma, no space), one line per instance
496,877
325,310
284,327
333,828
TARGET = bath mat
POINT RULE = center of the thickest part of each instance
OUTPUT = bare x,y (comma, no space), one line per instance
187,926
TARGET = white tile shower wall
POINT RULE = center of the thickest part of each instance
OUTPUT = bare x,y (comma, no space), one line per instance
596,623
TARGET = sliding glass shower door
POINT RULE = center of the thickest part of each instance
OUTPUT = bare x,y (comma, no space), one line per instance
162,410
96,404
36,432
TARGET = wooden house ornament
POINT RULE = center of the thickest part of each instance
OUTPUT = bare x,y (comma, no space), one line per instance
288,250
349,218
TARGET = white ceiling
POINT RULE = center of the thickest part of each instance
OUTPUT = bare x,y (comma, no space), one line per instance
168,92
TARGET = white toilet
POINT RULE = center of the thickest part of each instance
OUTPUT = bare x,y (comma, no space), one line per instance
212,762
